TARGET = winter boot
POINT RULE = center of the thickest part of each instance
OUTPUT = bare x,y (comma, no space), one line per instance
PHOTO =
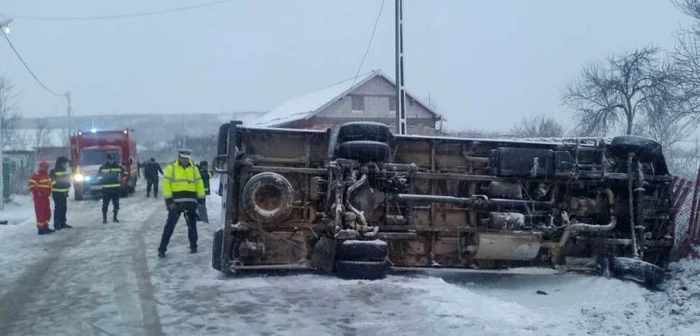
104,218
148,195
193,250
45,231
161,254
66,226
57,227
114,218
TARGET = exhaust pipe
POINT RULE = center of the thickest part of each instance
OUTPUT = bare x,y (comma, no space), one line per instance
582,227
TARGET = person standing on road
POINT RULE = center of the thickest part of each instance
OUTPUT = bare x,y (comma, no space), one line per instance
183,190
60,186
109,177
40,186
151,170
206,176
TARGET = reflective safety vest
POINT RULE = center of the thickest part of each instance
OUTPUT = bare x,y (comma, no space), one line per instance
40,181
60,181
182,184
109,174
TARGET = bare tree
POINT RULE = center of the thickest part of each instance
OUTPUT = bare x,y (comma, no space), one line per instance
41,132
689,7
538,127
665,124
620,91
21,141
683,162
686,58
8,112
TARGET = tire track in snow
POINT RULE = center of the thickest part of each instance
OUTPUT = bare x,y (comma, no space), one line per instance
149,307
86,282
25,288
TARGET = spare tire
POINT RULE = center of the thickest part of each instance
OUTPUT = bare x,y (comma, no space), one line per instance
362,250
364,151
267,197
638,270
364,130
323,255
217,244
363,270
645,149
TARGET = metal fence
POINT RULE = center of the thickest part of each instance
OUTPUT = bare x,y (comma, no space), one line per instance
687,212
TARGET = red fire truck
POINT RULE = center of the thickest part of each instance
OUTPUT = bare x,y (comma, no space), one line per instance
89,150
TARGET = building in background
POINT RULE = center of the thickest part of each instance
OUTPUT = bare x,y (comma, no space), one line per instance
50,153
370,97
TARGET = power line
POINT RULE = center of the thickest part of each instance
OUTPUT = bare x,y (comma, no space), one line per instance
75,119
65,95
116,16
369,43
27,67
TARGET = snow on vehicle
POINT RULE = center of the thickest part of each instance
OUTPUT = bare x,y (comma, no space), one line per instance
362,201
89,150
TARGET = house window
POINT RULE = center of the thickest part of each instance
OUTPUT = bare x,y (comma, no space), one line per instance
392,105
358,103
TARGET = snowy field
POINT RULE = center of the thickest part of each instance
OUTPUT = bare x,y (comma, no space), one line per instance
105,279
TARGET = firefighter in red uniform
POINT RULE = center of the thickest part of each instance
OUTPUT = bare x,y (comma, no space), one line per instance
40,186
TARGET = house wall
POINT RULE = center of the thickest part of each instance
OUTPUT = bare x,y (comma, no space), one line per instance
377,94
50,154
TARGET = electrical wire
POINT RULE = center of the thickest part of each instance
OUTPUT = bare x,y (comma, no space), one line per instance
116,16
71,114
65,95
28,69
369,43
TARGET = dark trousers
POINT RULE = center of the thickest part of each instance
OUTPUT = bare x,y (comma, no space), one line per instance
190,211
110,194
60,201
152,182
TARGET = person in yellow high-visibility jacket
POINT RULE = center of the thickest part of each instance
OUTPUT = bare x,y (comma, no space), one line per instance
183,190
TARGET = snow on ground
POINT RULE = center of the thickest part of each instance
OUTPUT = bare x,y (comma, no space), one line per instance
107,279
446,303
22,245
678,304
211,304
18,210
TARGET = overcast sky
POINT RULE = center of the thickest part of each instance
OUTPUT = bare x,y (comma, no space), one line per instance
485,63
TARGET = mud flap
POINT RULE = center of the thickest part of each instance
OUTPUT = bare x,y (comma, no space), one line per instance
323,255
604,268
217,244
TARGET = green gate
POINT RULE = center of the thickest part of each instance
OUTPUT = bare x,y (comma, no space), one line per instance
8,168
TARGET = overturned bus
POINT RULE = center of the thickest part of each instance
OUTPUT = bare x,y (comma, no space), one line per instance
361,202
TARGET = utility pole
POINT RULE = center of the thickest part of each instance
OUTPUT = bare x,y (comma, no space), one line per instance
400,88
2,164
4,30
69,108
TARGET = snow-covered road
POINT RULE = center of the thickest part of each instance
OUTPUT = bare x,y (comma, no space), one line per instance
102,279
